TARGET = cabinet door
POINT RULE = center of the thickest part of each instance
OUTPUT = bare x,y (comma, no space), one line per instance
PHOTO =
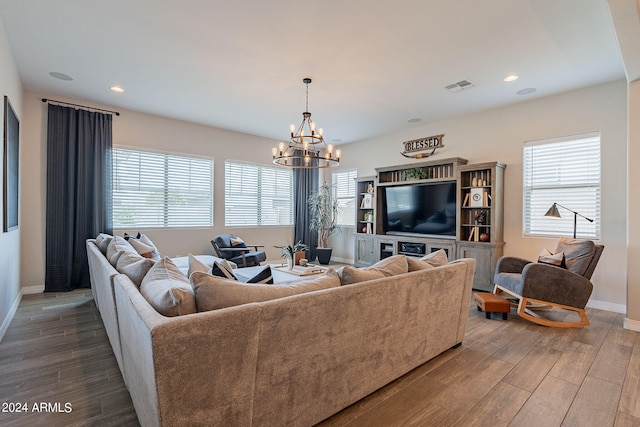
484,256
364,251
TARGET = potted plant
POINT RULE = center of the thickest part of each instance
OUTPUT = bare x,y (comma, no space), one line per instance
292,253
324,214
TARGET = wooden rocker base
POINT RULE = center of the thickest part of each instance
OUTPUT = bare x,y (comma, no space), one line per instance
525,312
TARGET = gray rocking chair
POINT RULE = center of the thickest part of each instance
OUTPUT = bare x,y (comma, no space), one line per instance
551,286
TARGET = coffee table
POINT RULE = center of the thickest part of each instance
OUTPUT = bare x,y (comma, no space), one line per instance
281,274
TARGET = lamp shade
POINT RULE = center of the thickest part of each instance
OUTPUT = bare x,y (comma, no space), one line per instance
553,212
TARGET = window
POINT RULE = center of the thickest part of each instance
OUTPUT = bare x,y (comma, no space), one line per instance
161,190
344,185
566,171
257,195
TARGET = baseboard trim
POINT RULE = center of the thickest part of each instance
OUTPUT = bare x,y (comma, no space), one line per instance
632,325
12,311
608,306
29,290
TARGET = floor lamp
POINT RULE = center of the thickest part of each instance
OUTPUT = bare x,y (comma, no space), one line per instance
553,213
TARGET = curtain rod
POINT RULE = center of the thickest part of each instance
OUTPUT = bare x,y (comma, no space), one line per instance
81,106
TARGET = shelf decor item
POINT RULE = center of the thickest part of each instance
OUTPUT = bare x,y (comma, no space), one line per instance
293,253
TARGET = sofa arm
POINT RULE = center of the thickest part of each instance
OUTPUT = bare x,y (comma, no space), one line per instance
508,264
554,284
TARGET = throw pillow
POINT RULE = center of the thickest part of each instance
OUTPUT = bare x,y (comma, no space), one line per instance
223,269
102,242
143,245
196,265
264,277
556,259
117,244
168,290
436,259
578,253
415,264
237,242
390,266
134,266
213,293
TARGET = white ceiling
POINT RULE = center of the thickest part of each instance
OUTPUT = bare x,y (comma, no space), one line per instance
375,64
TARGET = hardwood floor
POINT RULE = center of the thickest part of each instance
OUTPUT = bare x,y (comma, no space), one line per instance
506,373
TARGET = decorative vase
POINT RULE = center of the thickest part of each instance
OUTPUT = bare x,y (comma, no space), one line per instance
289,263
297,257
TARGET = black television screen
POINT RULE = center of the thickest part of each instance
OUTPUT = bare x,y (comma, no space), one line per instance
425,209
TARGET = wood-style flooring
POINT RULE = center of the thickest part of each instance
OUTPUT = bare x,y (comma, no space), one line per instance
506,373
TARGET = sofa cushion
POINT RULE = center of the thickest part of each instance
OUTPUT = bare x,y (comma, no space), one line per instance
102,242
168,290
115,247
578,253
213,292
134,266
390,266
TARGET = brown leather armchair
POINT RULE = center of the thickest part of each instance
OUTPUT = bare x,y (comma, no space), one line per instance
543,285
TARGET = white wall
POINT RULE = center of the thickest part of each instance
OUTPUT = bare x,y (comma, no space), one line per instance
498,134
9,242
138,130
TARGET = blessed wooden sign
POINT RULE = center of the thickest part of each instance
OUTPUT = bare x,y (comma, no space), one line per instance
422,147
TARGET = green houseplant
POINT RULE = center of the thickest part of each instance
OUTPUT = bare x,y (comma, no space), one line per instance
324,215
290,251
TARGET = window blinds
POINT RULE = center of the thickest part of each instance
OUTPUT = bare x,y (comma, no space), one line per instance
161,190
345,193
566,171
257,195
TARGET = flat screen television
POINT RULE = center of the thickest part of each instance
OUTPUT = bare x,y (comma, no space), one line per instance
422,209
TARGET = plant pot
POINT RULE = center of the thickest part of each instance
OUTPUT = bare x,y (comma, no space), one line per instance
324,255
297,257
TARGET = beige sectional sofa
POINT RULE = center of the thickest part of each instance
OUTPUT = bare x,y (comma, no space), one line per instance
290,361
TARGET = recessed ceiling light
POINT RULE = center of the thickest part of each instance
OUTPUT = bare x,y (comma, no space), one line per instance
60,76
336,141
414,120
511,78
526,91
117,89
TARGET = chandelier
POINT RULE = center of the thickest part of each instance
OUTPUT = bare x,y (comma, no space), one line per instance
306,148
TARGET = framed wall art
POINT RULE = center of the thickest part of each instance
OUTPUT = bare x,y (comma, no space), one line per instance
10,167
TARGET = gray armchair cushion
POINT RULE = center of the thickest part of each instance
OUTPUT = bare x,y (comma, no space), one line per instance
578,253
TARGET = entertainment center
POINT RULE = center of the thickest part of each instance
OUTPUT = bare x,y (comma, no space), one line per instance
422,207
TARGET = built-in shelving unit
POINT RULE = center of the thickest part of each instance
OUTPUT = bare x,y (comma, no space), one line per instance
481,198
479,214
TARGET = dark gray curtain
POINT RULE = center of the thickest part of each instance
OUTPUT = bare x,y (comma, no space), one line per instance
305,182
78,192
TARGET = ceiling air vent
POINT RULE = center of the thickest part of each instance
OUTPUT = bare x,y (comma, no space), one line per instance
461,85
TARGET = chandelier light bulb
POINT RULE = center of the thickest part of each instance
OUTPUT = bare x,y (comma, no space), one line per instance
274,151
338,154
329,148
320,131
